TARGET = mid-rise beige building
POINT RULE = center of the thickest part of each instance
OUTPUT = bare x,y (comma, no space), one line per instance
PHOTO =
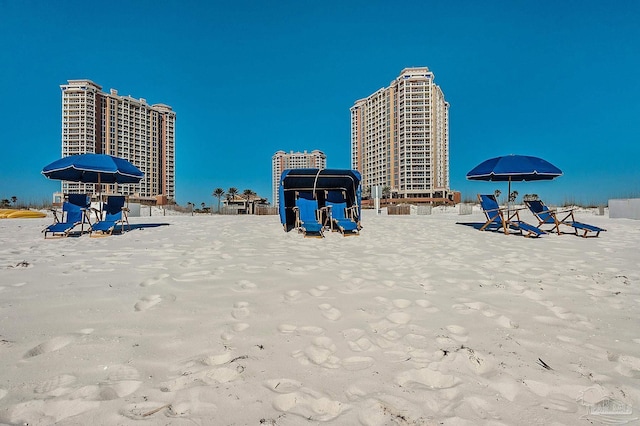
282,161
400,137
107,123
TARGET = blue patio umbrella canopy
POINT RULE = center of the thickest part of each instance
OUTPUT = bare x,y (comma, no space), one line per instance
512,167
316,181
93,168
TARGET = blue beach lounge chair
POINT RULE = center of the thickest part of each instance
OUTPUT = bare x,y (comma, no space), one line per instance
554,217
115,214
340,217
501,218
306,210
72,215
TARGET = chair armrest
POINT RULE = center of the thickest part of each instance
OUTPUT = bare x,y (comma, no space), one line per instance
352,211
499,209
563,210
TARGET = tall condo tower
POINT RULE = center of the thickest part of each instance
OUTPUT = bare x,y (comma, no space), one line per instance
294,160
107,123
400,137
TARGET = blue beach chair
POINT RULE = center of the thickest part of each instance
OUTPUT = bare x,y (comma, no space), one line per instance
306,210
67,219
554,217
115,214
341,217
500,218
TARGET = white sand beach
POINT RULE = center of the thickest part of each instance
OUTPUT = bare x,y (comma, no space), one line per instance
228,320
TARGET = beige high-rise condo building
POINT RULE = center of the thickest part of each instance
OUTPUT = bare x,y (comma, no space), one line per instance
294,160
400,138
107,123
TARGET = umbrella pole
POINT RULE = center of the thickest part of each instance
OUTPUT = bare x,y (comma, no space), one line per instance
100,195
509,198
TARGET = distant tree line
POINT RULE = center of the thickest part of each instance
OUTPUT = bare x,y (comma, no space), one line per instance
4,203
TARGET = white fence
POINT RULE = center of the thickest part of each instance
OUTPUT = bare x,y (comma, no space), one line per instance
465,209
628,208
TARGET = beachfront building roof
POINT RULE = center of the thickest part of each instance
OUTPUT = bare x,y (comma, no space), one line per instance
282,161
107,123
400,137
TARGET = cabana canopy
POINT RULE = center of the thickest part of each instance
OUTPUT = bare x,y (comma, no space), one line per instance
317,181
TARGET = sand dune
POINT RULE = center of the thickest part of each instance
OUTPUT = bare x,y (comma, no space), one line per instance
226,320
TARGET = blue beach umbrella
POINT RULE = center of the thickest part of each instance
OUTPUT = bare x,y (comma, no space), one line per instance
512,167
93,168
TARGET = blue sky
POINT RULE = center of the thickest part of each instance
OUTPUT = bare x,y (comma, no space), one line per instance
552,79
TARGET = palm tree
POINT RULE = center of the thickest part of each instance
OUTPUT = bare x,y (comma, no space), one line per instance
218,193
231,193
248,193
386,192
14,199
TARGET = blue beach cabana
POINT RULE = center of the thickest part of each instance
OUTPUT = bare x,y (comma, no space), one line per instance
318,182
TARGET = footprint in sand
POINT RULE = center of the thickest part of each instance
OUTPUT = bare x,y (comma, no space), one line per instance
426,378
199,362
194,276
320,352
245,286
428,306
210,376
283,385
122,372
329,312
389,410
240,310
45,412
486,310
49,346
399,318
147,302
459,333
56,343
305,329
416,341
309,404
292,295
152,281
353,285
506,322
121,380
55,386
144,410
216,359
356,363
231,332
239,327
105,391
357,340
402,303
287,328
318,291
628,366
